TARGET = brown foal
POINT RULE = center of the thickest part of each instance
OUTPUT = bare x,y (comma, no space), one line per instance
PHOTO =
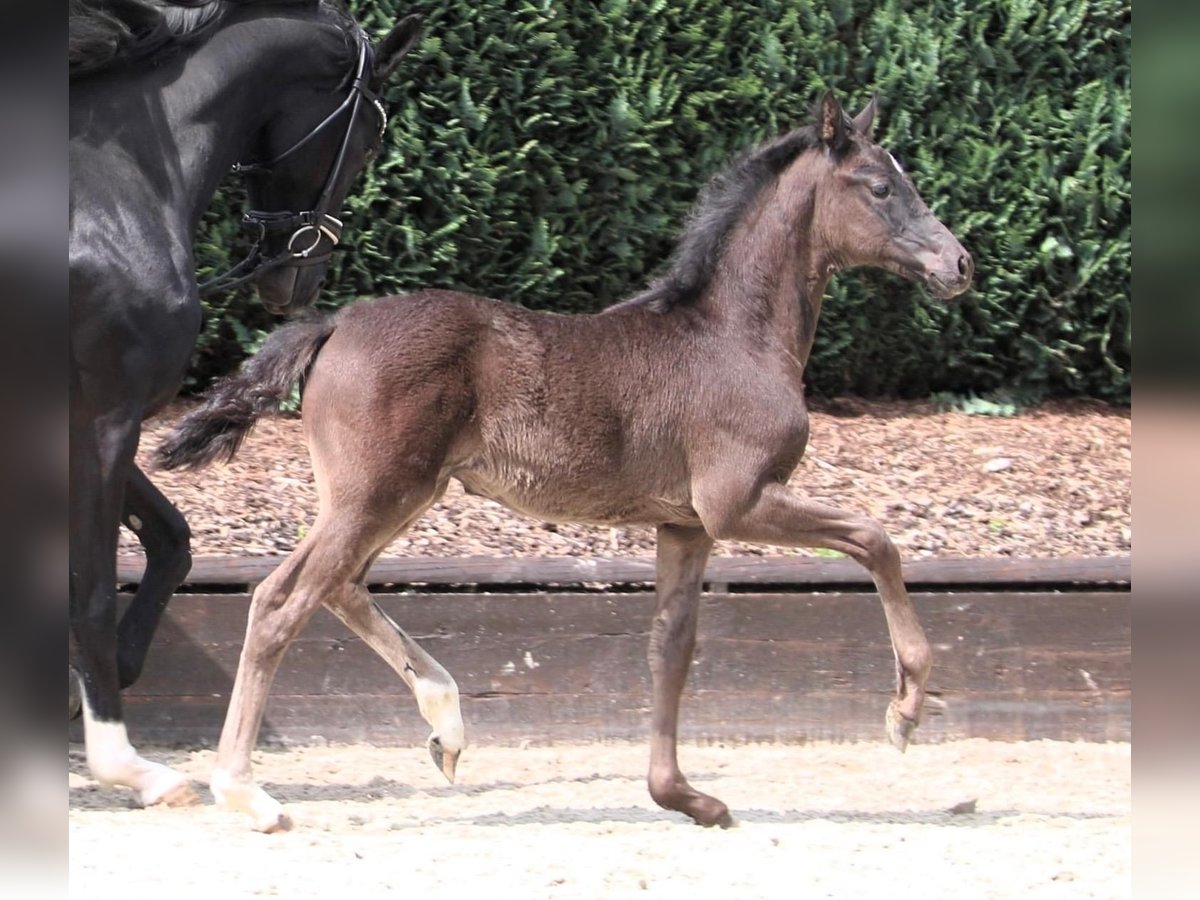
681,408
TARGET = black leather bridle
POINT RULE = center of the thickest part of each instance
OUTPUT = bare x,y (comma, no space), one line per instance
314,227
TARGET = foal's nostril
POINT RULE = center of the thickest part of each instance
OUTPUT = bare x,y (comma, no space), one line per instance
964,265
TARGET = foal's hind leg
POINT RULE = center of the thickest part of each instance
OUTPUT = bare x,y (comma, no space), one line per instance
279,609
780,518
435,690
682,556
327,567
167,540
390,509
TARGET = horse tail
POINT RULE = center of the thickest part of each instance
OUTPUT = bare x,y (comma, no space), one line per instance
215,429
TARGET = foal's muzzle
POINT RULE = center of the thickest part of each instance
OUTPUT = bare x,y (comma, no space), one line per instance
943,264
950,278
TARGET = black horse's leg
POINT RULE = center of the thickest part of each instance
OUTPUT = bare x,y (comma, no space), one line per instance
102,448
167,541
682,556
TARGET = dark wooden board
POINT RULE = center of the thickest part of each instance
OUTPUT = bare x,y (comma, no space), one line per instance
796,571
768,667
390,719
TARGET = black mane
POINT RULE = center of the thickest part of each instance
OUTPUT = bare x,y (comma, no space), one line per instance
106,33
720,206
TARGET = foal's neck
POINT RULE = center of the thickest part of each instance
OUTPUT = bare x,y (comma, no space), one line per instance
773,273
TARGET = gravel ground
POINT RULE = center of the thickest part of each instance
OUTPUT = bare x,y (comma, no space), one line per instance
1054,481
1037,820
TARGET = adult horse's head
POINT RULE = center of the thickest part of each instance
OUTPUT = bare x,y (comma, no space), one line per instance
874,216
329,125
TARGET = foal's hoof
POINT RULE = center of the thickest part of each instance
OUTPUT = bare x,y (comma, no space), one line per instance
238,795
721,818
700,808
445,760
899,727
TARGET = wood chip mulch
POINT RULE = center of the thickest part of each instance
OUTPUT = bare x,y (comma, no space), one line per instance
1048,482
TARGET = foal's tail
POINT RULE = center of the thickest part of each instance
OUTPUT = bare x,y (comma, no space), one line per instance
215,429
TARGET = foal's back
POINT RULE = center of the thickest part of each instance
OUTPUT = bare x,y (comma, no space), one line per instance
580,418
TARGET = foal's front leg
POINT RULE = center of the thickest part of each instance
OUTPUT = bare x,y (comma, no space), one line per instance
780,518
682,556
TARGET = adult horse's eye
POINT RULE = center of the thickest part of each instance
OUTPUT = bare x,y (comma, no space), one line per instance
881,189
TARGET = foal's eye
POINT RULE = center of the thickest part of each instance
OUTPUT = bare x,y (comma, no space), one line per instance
881,189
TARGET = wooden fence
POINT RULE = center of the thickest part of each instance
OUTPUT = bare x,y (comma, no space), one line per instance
790,650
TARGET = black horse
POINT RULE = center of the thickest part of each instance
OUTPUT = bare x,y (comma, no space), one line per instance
165,98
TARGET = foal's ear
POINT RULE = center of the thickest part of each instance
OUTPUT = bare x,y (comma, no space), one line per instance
392,48
831,122
864,122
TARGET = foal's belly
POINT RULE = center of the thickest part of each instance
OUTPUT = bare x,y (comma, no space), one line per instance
564,502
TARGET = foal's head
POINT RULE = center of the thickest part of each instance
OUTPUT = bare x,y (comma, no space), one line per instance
330,125
870,214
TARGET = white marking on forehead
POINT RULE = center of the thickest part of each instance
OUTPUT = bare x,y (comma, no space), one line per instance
896,164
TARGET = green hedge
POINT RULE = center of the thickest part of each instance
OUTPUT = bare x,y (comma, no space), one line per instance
546,152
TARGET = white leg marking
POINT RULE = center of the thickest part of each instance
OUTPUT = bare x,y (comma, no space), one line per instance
436,693
245,796
438,704
113,761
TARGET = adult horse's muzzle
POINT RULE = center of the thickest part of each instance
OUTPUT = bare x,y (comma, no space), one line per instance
289,288
296,255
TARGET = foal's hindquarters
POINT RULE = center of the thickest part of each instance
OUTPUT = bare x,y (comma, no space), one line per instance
324,570
370,491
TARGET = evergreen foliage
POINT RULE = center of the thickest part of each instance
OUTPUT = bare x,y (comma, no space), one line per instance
546,152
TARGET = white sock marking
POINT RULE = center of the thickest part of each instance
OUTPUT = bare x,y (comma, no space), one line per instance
113,761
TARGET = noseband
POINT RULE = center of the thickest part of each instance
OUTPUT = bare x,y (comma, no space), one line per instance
308,228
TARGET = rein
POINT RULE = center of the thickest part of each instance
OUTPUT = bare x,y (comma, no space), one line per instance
309,228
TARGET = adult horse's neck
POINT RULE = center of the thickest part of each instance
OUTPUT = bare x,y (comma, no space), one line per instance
773,272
